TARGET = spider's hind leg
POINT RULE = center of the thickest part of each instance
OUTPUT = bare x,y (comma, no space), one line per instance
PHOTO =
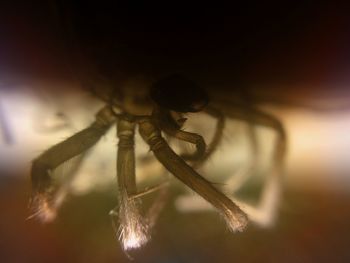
43,191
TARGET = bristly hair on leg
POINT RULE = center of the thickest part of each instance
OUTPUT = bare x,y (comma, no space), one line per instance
47,203
43,208
133,230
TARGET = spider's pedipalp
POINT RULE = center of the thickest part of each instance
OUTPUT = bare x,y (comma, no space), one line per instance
170,127
217,137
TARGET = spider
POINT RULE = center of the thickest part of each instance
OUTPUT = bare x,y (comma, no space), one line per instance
155,108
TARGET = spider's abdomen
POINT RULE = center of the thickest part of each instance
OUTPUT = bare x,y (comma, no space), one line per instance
178,93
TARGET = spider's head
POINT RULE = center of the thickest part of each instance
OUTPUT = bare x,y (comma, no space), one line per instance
177,93
132,96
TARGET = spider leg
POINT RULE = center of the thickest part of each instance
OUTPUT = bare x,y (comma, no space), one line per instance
234,216
69,169
217,137
158,205
262,118
43,166
243,174
133,228
264,214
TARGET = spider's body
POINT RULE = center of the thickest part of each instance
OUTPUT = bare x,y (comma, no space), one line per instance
133,97
179,94
153,105
176,93
145,108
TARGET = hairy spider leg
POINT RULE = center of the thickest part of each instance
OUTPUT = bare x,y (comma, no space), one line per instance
42,167
236,219
69,169
217,137
265,213
259,117
133,229
243,174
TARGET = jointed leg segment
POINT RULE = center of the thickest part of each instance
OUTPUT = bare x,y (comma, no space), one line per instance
133,228
42,167
261,118
216,140
265,212
234,216
167,124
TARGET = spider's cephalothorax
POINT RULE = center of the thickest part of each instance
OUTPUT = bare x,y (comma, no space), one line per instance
178,93
155,109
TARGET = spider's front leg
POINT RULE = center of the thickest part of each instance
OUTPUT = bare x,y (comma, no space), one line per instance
43,190
234,216
133,227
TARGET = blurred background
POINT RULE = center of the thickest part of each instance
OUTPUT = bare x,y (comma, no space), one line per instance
293,59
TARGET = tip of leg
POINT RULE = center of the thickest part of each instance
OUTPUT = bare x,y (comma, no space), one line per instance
236,221
133,230
43,209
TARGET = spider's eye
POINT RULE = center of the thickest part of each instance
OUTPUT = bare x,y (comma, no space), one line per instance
179,94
